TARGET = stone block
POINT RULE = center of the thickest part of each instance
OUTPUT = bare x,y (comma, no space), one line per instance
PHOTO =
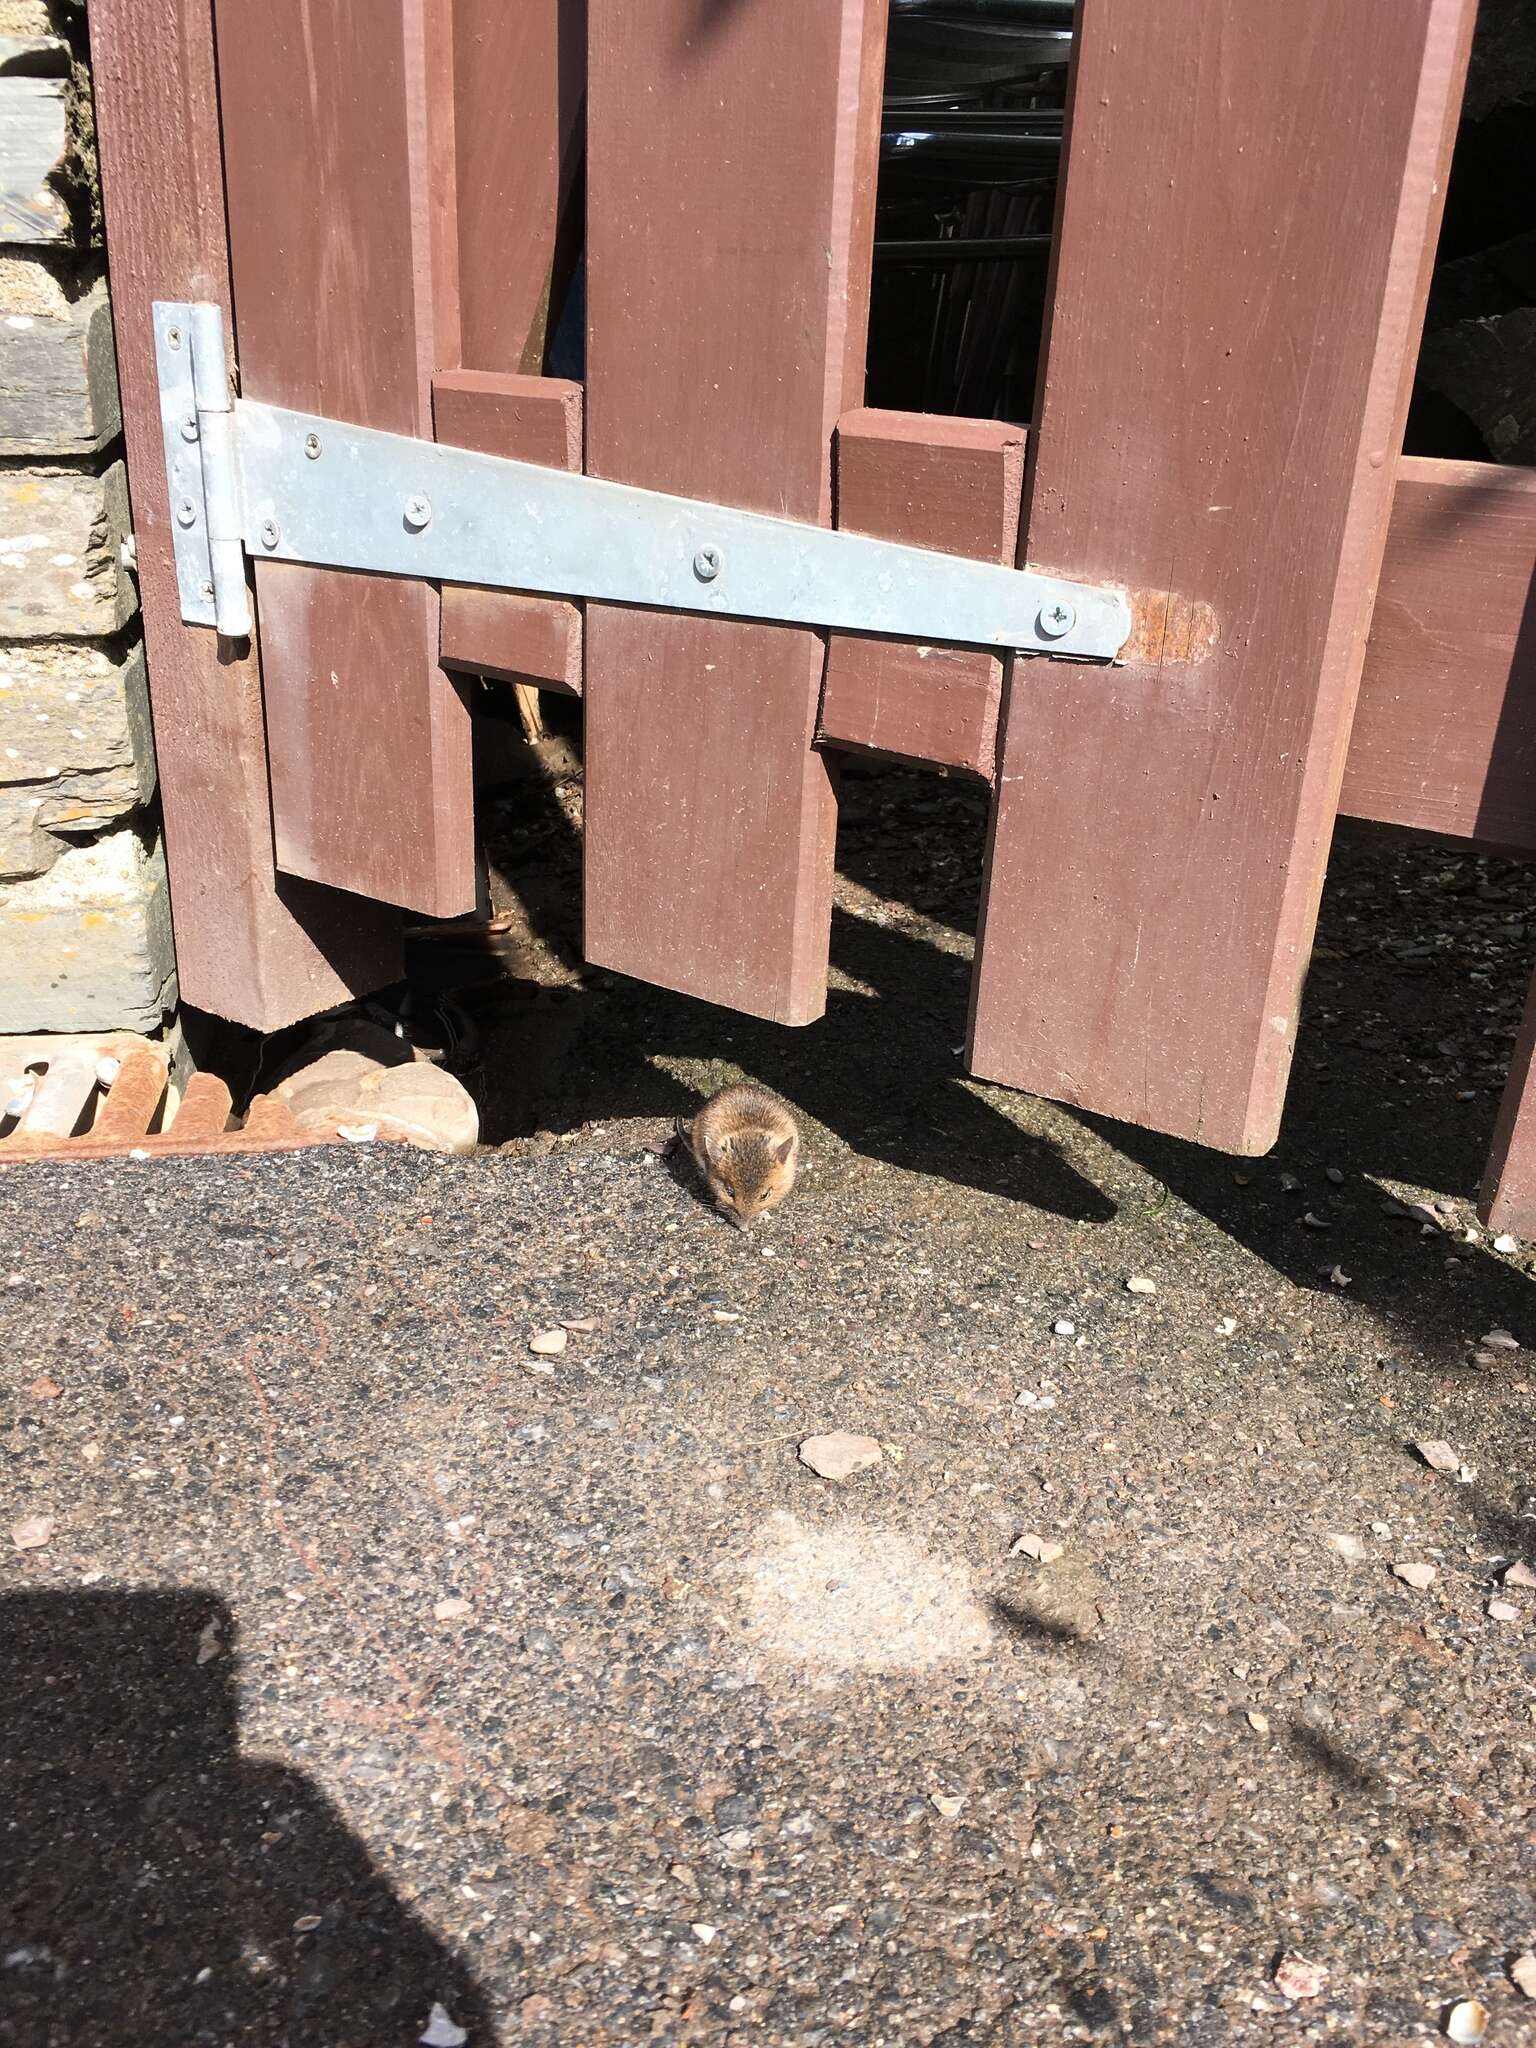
87,946
58,380
34,143
62,575
75,748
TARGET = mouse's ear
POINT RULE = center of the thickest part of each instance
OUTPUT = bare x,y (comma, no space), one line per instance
782,1150
715,1147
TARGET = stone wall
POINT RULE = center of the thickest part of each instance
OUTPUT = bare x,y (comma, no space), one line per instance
85,937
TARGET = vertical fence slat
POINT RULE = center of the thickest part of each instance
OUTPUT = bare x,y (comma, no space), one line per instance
248,946
518,82
343,261
731,167
519,89
1249,209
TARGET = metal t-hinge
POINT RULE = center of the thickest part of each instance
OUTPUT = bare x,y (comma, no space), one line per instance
248,478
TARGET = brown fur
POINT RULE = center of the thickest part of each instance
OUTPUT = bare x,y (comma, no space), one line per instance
745,1144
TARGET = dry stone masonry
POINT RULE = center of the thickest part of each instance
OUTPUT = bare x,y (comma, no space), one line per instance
85,935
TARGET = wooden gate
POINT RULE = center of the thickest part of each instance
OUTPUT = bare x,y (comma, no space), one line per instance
385,195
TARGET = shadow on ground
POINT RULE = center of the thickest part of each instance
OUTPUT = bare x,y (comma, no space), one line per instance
1418,977
158,1886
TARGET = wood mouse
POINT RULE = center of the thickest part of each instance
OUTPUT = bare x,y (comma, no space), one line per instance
745,1144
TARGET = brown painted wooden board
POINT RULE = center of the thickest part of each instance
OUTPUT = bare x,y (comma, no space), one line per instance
1444,734
730,175
1444,738
950,484
338,156
250,945
504,633
519,83
1508,1198
1249,207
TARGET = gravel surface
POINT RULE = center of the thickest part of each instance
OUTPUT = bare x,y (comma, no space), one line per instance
362,1660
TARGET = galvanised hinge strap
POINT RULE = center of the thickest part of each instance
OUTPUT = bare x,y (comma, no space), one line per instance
197,425
309,489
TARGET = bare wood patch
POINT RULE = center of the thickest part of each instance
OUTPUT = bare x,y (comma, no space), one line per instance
1167,629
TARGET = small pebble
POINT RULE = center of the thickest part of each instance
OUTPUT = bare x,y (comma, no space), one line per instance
1297,1977
1315,1222
32,1531
1502,1610
1137,1284
1505,1243
839,1454
549,1343
1340,1278
1346,1546
948,1803
1467,2021
1438,1454
442,2032
1334,1175
702,1930
451,1609
1289,1183
1040,1548
1258,1721
1522,1974
1419,1576
1501,1340
1519,1574
1226,1326
1062,1328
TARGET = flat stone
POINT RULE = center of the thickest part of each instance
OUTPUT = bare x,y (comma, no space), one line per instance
416,1101
839,1454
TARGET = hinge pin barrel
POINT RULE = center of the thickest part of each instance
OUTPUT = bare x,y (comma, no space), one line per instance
215,427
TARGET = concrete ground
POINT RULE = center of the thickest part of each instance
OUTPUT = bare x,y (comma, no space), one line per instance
360,1661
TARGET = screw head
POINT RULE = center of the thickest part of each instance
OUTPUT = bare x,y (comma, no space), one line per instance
706,564
186,512
271,533
205,590
1056,618
189,427
418,510
312,446
173,337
